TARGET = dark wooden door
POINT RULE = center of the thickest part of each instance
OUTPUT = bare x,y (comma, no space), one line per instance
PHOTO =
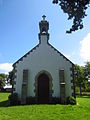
43,89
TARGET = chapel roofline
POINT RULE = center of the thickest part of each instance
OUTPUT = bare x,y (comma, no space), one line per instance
44,27
32,50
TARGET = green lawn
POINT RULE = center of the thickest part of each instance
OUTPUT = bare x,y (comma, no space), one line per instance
45,112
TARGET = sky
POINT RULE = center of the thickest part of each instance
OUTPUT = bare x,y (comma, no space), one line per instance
19,28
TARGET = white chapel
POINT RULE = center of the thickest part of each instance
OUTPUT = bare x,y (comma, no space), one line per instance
43,75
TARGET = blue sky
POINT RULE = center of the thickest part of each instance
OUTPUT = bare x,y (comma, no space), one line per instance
19,28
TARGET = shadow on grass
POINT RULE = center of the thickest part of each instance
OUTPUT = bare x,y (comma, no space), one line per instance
78,96
4,103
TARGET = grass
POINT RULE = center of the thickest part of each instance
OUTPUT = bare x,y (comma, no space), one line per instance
4,99
46,112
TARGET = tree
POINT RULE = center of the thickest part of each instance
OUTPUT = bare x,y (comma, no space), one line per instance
80,78
87,69
2,80
10,77
76,10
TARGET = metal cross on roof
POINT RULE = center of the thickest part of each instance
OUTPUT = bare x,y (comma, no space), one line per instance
43,17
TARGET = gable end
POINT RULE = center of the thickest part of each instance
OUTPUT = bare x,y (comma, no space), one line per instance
21,59
60,53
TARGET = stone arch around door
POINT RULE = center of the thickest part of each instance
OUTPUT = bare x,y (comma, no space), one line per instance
41,73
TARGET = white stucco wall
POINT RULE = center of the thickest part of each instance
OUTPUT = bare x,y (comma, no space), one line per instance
43,58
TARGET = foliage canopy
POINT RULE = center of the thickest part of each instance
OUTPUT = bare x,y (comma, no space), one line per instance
76,10
2,79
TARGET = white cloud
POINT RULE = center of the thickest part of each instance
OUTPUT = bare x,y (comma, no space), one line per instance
5,67
85,48
81,55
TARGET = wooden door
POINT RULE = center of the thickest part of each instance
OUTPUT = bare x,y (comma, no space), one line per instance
43,89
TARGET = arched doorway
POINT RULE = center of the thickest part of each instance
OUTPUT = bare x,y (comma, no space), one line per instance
43,88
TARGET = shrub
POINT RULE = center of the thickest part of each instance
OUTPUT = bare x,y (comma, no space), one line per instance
71,100
13,98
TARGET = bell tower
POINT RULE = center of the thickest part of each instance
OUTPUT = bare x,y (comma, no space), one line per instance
44,27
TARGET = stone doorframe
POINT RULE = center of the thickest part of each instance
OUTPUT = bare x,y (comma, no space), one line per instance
50,84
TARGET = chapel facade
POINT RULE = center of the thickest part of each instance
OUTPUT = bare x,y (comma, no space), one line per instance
43,74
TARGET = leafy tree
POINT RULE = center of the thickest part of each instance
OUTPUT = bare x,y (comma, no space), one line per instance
87,74
80,78
10,77
87,69
2,80
76,10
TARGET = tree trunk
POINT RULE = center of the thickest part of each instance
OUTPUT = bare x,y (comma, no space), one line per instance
80,90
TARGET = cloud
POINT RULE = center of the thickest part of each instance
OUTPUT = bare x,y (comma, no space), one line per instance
85,48
5,67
